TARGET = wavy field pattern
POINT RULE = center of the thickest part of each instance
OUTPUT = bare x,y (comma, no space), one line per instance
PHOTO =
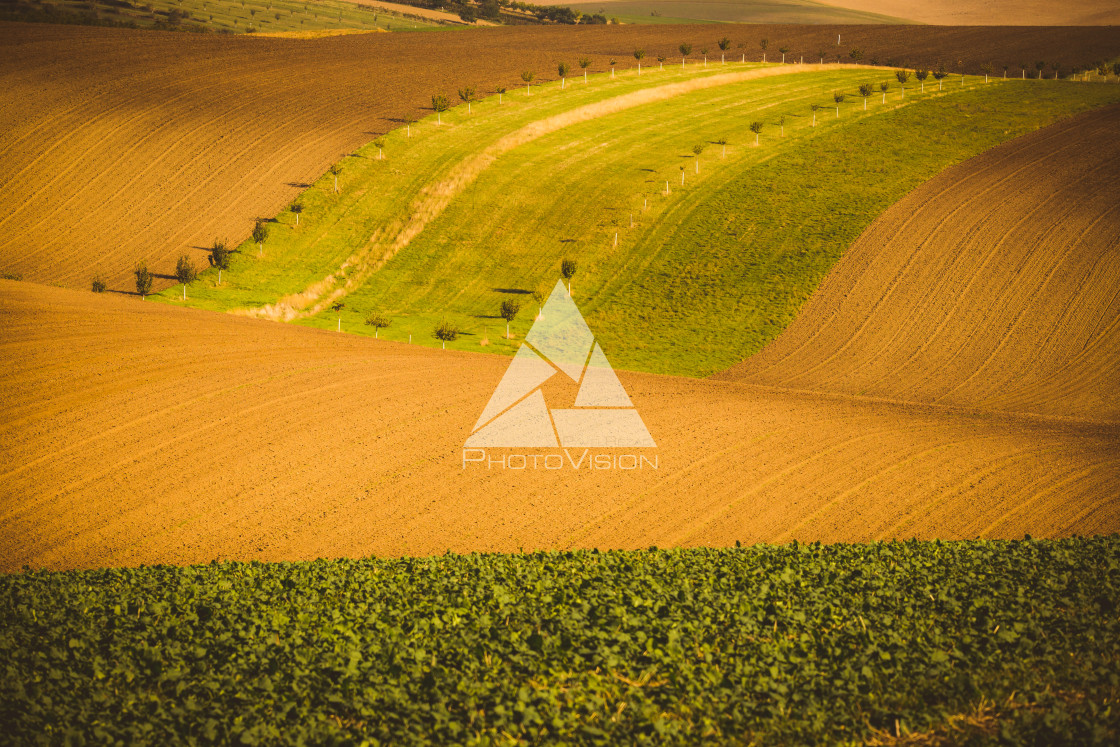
140,433
120,145
995,285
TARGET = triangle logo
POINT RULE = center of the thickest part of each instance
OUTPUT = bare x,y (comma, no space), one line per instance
560,342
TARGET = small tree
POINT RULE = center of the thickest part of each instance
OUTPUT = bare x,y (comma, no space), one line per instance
660,62
782,124
380,145
939,76
839,99
756,128
686,50
260,233
612,63
185,272
697,150
987,68
856,54
639,55
98,285
1040,65
562,69
722,142
467,95
865,90
441,104
446,332
337,308
143,280
814,107
821,53
219,257
704,52
584,63
508,312
378,322
921,75
784,51
724,45
902,76
764,44
335,170
528,76
539,295
568,269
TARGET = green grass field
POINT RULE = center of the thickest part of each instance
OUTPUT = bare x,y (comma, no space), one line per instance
730,11
986,642
709,272
230,16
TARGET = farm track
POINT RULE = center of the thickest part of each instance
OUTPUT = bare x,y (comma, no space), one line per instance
140,433
994,285
121,146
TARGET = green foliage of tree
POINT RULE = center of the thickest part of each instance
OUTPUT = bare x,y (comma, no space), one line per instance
143,280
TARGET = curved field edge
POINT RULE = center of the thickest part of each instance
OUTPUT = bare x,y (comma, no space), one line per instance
142,433
703,279
124,145
928,642
993,285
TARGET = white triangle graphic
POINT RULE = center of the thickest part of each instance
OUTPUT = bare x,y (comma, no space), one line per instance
517,416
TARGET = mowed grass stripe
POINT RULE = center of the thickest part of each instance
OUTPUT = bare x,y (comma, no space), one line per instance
707,276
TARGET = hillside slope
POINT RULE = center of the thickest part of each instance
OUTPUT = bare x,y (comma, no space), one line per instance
994,285
140,433
124,145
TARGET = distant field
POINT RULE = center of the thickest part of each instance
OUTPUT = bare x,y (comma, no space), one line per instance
122,146
991,12
230,16
733,11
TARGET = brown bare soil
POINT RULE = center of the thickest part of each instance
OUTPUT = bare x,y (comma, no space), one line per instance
121,145
994,285
992,12
138,433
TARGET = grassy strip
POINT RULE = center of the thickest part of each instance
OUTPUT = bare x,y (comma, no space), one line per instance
706,275
931,641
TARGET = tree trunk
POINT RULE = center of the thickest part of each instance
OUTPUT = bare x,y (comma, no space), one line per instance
697,164
723,59
865,103
184,291
756,138
507,330
814,119
340,324
639,67
219,276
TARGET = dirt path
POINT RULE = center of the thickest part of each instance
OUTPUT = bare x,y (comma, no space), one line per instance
994,285
138,433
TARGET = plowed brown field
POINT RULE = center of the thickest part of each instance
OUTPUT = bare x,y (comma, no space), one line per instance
994,285
138,433
120,145
992,12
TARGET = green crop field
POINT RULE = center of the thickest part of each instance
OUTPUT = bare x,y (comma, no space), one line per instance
730,11
985,642
709,272
228,16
